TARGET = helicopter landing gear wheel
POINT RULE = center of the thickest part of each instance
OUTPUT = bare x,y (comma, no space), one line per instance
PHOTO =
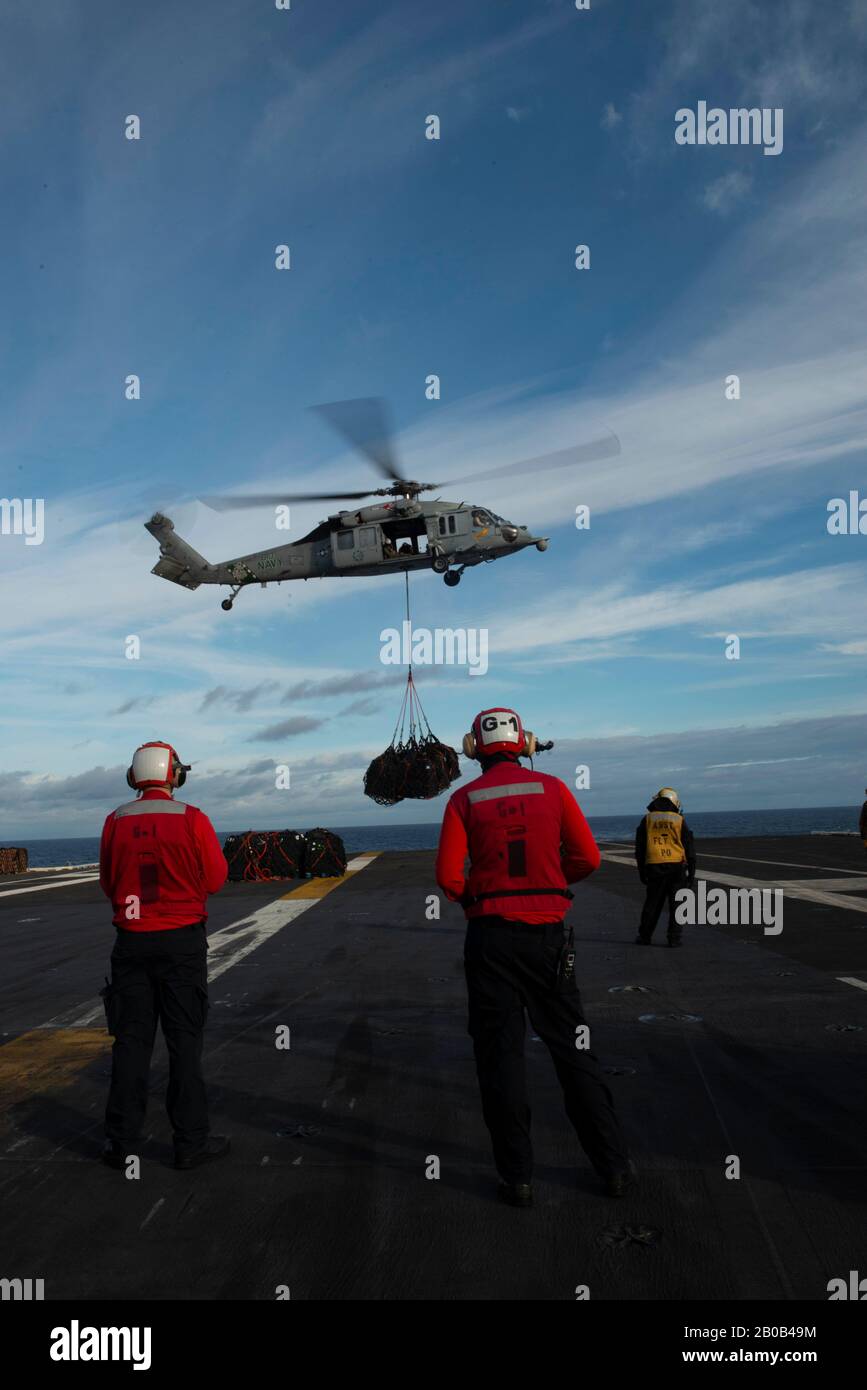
227,603
440,563
452,578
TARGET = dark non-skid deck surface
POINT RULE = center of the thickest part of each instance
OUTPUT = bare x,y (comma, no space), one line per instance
326,1189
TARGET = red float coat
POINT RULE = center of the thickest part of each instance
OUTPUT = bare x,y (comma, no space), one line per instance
160,858
523,831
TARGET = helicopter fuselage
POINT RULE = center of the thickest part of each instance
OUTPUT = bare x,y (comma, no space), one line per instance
402,535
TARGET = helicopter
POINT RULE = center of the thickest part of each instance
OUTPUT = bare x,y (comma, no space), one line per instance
401,534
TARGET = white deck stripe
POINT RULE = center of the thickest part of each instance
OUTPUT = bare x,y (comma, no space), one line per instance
831,885
738,859
360,861
792,888
851,980
62,868
778,863
228,946
43,887
352,866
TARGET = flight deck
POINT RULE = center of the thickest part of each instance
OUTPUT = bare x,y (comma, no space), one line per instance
741,1046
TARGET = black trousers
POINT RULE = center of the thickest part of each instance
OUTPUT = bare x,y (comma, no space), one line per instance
158,976
663,881
510,967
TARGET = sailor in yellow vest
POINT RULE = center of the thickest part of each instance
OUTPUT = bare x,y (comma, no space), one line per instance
665,856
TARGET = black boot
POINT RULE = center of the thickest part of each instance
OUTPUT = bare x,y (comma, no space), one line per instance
215,1146
641,941
114,1154
517,1194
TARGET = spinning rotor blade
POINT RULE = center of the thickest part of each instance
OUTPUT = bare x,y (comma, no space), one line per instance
278,499
365,424
607,446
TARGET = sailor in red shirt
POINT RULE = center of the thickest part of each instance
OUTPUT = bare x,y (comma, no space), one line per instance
526,839
158,861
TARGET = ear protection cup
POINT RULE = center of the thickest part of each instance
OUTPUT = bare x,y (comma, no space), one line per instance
130,781
180,774
469,745
529,743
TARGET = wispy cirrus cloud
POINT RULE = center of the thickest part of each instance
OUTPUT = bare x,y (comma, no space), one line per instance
748,53
286,728
137,702
800,604
722,195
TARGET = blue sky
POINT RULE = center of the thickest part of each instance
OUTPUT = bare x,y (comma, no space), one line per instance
455,257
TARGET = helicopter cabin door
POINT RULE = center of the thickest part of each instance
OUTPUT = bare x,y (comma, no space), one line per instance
356,545
452,531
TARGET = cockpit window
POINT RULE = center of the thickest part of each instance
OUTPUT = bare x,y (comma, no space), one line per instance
481,517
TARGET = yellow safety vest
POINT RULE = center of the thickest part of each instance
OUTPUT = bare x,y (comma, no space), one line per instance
664,843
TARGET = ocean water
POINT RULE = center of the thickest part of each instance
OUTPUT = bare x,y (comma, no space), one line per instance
395,835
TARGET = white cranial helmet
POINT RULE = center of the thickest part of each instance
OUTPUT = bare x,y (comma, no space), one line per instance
156,765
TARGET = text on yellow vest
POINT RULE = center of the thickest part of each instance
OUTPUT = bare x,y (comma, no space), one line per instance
664,843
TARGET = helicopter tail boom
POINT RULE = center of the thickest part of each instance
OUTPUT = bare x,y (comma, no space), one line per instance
178,561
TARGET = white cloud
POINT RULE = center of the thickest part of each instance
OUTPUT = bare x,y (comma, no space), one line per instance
800,56
723,194
626,767
783,304
765,762
384,73
800,604
858,648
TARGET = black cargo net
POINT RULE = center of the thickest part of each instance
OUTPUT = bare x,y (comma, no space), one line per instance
415,766
264,856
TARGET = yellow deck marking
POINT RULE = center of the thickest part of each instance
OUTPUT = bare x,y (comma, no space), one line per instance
320,887
44,1060
50,1057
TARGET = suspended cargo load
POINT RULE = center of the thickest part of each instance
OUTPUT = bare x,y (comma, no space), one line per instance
415,766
